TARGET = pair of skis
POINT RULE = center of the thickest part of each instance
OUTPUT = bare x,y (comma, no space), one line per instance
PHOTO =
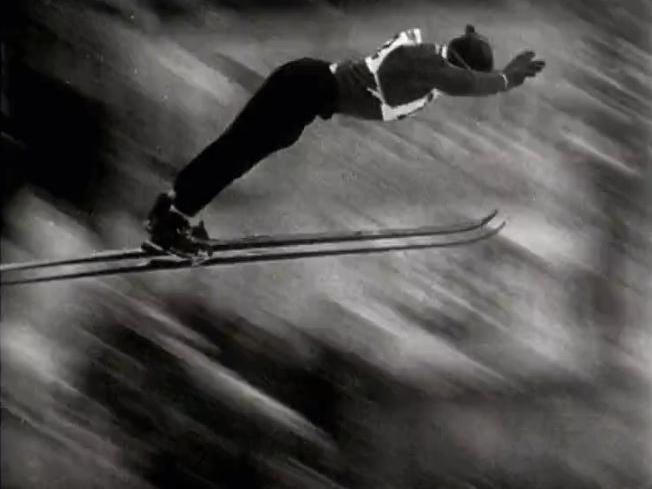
253,249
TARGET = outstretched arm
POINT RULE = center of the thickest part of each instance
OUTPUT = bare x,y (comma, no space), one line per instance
462,82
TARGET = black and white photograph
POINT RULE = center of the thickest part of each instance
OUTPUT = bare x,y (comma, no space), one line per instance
326,244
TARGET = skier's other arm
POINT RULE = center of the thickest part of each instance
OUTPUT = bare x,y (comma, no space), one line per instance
456,81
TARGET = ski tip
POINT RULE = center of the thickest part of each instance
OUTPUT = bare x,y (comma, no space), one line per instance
489,216
494,230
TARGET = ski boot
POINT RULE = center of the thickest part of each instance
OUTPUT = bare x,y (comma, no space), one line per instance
171,232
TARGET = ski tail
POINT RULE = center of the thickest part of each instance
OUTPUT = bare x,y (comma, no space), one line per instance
101,257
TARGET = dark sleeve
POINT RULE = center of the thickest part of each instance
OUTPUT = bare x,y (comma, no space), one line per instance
452,80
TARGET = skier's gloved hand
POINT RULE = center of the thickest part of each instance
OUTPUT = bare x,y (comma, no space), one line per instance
522,66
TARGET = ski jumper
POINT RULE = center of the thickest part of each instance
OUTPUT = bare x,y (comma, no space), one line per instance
399,79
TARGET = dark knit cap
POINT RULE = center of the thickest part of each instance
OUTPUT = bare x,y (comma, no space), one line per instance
473,49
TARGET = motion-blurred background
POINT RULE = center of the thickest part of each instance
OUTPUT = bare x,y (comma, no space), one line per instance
523,362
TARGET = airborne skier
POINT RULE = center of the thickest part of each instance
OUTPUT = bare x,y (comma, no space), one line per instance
402,77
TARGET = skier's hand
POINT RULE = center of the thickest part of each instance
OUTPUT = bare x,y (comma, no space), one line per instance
521,67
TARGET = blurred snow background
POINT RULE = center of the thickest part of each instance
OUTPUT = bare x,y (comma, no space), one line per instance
520,362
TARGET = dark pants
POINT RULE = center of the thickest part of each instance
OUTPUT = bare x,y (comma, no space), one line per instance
289,99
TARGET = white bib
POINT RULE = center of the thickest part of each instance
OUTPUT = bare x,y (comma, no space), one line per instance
409,37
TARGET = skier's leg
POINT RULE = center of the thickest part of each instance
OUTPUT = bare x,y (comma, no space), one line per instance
274,118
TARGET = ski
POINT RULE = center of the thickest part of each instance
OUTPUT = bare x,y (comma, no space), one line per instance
256,256
263,241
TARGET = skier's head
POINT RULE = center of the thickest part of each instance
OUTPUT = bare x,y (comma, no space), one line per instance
471,51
